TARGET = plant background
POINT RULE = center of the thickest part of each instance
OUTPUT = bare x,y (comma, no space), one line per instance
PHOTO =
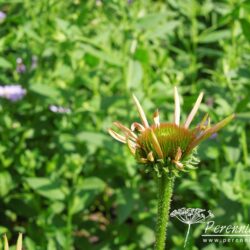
64,182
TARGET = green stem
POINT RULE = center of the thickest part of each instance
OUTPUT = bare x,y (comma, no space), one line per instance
189,225
165,190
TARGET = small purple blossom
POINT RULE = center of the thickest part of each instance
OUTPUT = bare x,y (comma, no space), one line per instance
213,136
20,66
12,92
59,109
2,15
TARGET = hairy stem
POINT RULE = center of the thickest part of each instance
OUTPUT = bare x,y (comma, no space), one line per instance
165,190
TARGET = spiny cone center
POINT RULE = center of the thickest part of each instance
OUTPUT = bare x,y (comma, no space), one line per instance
170,137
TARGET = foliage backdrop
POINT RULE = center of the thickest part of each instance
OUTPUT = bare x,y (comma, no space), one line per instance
64,182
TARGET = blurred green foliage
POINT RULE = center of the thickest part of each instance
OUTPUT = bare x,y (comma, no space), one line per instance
64,182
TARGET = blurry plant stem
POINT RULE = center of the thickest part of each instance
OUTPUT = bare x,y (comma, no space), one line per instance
69,228
165,190
69,232
186,238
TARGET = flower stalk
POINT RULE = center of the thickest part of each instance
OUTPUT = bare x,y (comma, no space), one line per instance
166,148
165,191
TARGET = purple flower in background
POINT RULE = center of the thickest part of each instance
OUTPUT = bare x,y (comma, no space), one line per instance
2,15
213,136
58,109
12,92
20,66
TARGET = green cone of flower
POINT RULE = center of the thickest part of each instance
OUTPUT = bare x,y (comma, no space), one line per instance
166,148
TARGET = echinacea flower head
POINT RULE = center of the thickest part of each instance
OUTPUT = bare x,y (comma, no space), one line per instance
168,146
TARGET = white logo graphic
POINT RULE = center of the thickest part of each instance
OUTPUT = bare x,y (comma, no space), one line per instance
191,216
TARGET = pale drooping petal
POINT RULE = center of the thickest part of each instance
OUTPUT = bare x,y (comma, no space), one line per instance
156,144
131,146
141,112
150,156
177,110
194,110
178,164
178,154
137,126
126,130
177,158
116,136
157,118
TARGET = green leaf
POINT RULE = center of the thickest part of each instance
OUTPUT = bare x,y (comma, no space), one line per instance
4,64
86,193
134,74
6,183
161,30
105,56
45,90
125,203
92,138
146,235
245,25
151,20
46,187
93,183
214,36
228,189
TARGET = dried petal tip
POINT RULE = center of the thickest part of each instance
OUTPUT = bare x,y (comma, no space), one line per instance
177,158
150,156
157,118
19,242
178,154
6,244
141,112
